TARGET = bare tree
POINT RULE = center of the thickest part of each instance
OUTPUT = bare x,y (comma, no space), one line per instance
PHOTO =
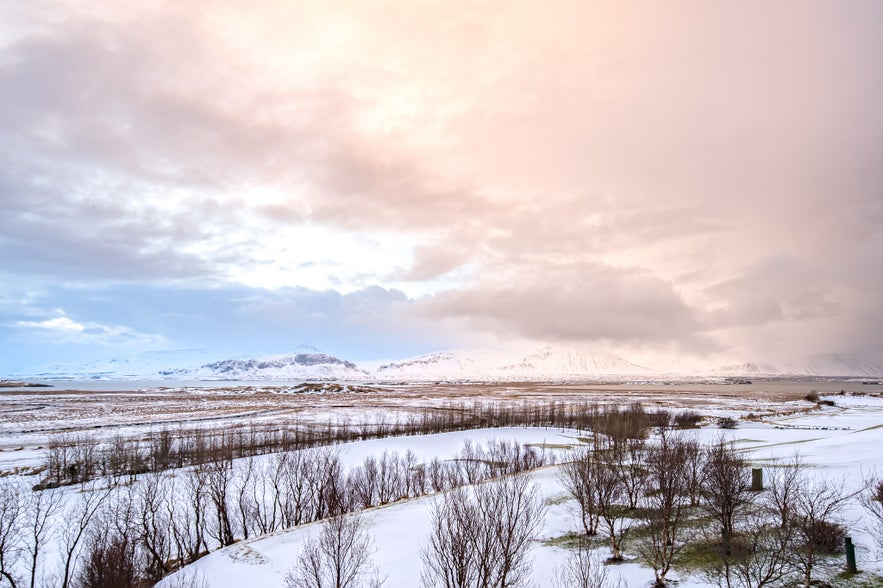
665,503
219,476
245,476
576,475
761,558
629,455
449,559
584,569
80,515
818,532
10,529
152,525
189,518
872,500
512,511
783,484
695,471
40,508
484,540
610,495
726,489
110,555
339,557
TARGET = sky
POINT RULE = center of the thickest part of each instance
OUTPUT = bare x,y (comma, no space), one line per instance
698,180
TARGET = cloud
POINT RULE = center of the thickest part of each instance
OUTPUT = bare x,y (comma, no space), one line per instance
703,177
61,323
588,302
62,329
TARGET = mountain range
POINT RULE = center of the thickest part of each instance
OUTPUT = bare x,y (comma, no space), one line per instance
551,363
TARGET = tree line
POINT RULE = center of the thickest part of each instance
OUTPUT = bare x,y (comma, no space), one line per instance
79,458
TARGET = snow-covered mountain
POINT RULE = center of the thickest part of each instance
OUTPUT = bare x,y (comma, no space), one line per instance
825,366
747,369
461,364
551,363
548,363
298,366
564,362
143,366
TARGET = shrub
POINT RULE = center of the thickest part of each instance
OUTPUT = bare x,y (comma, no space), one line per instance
727,423
812,396
688,419
825,536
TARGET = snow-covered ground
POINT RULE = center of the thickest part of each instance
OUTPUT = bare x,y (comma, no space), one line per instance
841,442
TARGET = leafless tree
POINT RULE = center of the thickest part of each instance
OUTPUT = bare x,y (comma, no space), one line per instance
872,500
761,556
512,511
629,455
665,503
152,525
111,558
484,539
189,518
79,517
818,531
584,569
783,484
577,477
338,557
696,457
245,473
610,496
450,559
726,489
40,508
219,476
10,529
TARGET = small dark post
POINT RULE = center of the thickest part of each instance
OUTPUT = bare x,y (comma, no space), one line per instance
850,556
756,479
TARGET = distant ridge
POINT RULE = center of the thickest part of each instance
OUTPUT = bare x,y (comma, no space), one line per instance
276,367
550,363
828,366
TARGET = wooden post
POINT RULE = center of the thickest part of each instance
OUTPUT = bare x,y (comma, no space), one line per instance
756,479
850,556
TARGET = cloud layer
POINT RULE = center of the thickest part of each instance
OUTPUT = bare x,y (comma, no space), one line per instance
701,178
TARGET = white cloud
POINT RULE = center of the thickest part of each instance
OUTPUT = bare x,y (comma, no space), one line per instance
59,323
63,329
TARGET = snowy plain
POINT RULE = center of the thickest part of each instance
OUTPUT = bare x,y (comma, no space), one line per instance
838,441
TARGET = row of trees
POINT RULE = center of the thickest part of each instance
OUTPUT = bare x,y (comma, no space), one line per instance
72,459
113,535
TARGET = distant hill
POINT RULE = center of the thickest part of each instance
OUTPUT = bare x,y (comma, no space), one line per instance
550,363
827,366
299,366
547,363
